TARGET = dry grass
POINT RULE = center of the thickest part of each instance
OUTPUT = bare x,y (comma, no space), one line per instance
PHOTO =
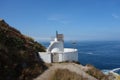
64,74
96,73
117,77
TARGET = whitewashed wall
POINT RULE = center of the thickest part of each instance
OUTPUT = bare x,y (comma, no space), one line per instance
70,56
46,57
56,45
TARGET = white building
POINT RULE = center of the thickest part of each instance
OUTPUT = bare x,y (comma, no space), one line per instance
57,53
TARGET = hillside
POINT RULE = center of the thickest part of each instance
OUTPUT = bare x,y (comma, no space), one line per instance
19,61
73,71
18,55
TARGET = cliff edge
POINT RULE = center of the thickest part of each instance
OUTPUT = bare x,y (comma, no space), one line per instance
19,60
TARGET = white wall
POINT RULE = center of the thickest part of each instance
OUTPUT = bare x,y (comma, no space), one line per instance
70,56
46,57
70,50
56,44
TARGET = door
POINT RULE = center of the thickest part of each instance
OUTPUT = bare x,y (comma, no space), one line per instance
55,57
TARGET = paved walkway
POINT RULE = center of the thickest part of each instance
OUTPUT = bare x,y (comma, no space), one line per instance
79,69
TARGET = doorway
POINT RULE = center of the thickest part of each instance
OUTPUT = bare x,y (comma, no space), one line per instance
55,57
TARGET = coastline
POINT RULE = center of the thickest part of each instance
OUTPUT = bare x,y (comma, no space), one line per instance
112,72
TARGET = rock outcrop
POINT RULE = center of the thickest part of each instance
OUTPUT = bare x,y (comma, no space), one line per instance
18,55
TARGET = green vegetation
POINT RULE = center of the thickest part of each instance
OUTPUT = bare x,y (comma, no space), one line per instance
64,74
18,55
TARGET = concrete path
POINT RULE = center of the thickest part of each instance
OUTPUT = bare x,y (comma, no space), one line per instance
79,69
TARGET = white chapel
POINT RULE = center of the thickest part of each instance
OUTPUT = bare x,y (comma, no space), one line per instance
57,53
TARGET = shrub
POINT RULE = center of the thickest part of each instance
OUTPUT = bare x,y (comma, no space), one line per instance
96,73
14,42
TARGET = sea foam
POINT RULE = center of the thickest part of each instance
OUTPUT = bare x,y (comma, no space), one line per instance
116,71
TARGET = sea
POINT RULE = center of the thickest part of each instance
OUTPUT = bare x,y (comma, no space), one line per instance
104,55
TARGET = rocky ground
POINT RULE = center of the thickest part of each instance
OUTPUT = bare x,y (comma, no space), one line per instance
72,67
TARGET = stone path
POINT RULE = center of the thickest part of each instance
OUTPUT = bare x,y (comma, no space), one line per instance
79,69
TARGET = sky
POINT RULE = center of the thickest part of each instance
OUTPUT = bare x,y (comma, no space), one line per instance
81,20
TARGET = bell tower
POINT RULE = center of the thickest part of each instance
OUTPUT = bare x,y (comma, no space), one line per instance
60,37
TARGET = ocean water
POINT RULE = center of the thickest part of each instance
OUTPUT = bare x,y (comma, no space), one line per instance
104,55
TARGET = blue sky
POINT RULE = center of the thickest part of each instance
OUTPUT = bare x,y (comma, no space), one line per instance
76,19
